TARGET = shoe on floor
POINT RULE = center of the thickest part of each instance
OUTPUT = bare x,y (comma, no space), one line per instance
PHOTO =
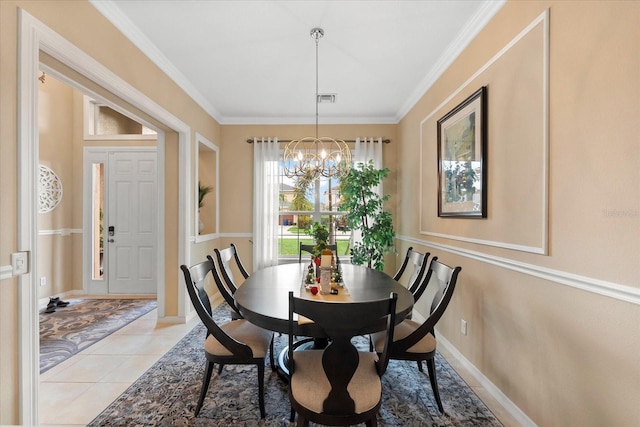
51,307
58,302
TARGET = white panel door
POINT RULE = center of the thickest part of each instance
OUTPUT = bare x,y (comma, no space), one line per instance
131,223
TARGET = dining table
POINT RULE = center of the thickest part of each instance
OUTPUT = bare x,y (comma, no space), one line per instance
263,298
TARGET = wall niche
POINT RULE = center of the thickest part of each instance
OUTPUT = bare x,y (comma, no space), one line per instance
206,189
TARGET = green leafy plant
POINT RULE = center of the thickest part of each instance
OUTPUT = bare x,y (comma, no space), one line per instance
203,190
365,212
320,234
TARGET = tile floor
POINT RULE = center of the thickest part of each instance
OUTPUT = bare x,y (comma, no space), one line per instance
74,392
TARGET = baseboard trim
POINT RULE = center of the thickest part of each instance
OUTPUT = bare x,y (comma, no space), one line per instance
491,388
172,319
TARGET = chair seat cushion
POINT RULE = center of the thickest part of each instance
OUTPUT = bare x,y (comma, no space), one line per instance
243,331
402,330
310,386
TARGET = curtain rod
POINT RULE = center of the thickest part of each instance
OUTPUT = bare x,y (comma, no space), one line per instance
384,141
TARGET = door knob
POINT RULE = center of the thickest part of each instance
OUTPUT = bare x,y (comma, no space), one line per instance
110,240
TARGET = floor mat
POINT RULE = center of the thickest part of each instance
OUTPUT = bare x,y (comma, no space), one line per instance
82,323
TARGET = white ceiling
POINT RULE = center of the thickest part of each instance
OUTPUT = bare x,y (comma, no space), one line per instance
253,62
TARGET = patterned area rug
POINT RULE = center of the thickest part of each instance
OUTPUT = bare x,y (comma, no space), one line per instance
166,395
82,323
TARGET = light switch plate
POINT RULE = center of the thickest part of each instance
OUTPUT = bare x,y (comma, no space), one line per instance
19,263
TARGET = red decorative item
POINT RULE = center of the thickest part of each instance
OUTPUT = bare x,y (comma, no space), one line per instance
314,290
317,260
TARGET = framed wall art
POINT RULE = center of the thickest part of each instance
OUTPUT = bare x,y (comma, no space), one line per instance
462,169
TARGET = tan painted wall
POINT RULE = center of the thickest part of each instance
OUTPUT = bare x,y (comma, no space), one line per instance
55,112
83,26
565,356
236,162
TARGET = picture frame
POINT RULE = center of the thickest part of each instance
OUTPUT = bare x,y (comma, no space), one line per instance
462,169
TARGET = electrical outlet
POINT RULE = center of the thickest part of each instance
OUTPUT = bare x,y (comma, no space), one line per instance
43,281
463,327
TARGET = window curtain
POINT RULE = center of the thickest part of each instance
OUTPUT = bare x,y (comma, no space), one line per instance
367,149
266,155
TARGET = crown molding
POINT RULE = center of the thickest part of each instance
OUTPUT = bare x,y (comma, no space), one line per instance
477,22
112,12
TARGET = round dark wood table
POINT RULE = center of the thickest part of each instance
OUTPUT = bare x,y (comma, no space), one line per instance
263,299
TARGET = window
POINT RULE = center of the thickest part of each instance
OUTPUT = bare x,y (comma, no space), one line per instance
285,208
103,122
303,203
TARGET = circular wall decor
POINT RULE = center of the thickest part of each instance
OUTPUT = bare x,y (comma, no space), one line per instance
49,190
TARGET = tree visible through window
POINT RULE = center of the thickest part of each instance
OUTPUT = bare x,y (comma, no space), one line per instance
303,202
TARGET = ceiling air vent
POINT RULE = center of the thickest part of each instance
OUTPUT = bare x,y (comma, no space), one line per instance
327,98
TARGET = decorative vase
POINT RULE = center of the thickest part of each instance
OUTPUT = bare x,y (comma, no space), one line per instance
325,280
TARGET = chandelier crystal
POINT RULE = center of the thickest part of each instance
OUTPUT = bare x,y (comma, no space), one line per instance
317,156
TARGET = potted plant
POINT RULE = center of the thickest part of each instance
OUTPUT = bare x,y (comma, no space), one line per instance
320,235
365,212
203,190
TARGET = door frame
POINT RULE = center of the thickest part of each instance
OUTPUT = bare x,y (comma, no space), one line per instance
89,156
35,37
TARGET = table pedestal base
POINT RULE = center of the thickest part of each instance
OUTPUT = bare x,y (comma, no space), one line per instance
282,361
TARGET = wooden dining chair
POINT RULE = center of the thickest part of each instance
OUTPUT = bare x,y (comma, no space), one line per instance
226,291
417,282
234,312
228,285
418,267
311,250
237,342
339,385
225,258
417,341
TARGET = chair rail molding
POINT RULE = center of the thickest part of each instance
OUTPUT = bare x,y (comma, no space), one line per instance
60,232
6,272
241,235
589,284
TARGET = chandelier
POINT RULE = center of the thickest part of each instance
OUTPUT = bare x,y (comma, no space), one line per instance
315,157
